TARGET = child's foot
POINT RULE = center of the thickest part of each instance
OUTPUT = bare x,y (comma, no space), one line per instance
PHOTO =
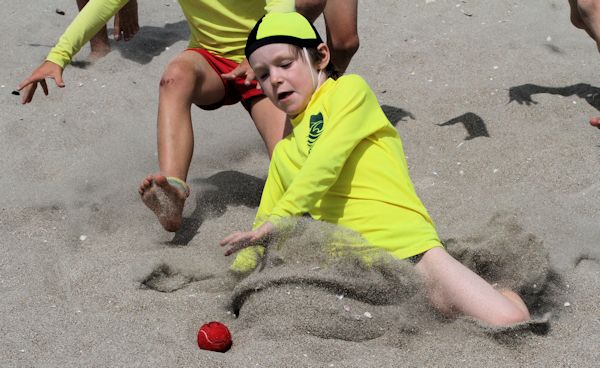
595,122
165,197
99,45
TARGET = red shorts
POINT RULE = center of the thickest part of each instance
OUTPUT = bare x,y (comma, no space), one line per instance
235,90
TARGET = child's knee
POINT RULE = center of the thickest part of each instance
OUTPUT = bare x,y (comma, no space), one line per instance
177,75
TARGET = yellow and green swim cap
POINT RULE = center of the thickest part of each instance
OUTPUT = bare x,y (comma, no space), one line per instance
289,28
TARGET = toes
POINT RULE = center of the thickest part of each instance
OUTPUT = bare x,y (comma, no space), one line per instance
161,181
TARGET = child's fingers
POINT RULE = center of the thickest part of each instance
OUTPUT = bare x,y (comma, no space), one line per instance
29,80
229,238
45,86
57,79
237,247
29,91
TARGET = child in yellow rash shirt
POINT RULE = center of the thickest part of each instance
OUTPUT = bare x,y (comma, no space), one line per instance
211,73
343,163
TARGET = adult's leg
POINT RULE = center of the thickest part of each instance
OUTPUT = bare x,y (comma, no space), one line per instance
454,289
187,80
99,43
311,9
271,123
341,26
342,31
585,14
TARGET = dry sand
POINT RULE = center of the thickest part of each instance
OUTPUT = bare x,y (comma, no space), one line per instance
491,99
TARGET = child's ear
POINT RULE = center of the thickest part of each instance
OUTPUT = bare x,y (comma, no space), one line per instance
325,56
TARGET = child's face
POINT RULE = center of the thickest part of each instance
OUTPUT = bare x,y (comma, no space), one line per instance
284,76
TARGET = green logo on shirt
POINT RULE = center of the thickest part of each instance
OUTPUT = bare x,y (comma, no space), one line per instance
316,128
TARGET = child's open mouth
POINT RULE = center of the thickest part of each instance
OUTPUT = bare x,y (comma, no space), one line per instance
283,95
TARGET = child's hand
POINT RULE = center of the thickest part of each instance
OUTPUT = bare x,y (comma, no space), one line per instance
242,70
47,70
126,22
240,240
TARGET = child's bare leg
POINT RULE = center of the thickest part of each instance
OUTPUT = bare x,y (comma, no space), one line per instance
187,79
99,43
454,289
126,22
595,122
271,123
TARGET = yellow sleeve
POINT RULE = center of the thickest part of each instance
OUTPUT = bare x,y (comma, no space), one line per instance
349,108
280,6
247,258
87,23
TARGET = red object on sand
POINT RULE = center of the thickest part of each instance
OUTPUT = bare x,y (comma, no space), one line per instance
214,336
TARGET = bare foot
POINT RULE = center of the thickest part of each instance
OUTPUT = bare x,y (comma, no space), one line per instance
595,122
165,199
100,45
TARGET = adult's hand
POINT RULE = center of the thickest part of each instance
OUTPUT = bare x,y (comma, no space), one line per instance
48,69
242,70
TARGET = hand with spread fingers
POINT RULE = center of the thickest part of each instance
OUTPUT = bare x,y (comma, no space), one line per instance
47,70
262,235
241,71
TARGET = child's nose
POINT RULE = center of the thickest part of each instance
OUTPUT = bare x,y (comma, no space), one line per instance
276,77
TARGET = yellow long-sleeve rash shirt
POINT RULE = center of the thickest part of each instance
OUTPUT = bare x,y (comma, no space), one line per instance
343,163
220,27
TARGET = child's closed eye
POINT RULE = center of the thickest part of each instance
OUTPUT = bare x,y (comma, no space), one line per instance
262,76
286,64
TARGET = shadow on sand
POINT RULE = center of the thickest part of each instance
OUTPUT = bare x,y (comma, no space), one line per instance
472,122
523,94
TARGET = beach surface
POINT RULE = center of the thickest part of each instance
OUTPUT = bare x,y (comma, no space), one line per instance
491,99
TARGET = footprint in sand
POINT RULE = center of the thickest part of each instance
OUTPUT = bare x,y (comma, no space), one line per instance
165,279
